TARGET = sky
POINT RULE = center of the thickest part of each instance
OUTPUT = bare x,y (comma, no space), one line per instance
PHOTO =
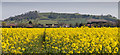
0,10
119,10
10,8
60,0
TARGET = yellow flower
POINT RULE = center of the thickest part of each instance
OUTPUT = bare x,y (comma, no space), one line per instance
46,38
70,52
53,47
65,40
90,51
116,49
56,47
23,49
19,47
12,47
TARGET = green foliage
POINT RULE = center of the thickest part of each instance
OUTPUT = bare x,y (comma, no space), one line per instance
53,18
4,24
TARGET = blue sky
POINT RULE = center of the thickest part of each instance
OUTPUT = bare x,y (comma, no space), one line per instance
16,7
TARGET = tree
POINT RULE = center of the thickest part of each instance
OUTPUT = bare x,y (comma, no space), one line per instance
4,24
44,25
109,15
76,25
36,11
80,25
71,25
30,22
118,23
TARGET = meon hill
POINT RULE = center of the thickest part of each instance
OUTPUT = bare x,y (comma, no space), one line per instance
55,18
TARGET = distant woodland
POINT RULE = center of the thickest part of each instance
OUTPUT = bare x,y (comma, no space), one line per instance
56,18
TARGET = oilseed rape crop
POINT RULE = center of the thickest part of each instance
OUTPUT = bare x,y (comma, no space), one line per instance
61,40
81,40
21,40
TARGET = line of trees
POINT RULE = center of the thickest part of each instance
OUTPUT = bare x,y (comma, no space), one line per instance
69,25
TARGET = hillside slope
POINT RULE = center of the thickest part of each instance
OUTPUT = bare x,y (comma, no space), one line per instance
54,18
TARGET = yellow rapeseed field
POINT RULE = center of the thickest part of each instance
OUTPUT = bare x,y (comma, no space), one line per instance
21,40
61,40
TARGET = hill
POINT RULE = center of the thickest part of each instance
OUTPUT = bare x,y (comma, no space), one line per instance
54,18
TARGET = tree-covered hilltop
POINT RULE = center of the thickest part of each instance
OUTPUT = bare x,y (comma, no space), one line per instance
54,18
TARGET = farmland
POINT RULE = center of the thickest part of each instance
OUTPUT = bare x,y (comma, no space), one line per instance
61,40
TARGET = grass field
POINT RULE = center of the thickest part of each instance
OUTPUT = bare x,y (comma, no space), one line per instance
61,40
